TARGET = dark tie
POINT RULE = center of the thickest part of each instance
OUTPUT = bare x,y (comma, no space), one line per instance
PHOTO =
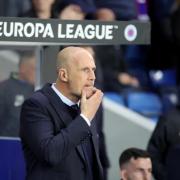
87,147
75,110
75,107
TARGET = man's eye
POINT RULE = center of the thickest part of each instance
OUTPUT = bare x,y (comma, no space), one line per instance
86,70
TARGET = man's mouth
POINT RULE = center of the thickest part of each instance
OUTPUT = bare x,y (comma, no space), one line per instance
89,85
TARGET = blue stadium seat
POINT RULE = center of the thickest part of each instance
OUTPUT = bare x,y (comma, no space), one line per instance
145,103
12,164
115,97
163,78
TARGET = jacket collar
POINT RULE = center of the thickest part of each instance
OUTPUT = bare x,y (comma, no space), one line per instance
57,104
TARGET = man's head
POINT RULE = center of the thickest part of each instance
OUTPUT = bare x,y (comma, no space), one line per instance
75,67
27,67
135,164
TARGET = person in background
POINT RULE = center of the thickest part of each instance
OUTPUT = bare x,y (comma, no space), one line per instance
58,122
175,26
64,10
72,12
135,164
165,137
111,59
105,14
40,9
74,9
13,8
13,92
124,10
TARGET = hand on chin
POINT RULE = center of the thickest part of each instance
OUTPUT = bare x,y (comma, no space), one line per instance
90,90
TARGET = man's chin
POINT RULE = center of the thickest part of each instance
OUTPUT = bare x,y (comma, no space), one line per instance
78,96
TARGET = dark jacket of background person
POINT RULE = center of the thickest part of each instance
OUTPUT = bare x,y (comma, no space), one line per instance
124,9
112,63
13,92
48,125
161,49
165,136
13,8
175,19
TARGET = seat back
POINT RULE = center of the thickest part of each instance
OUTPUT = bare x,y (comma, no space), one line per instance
145,103
12,164
115,97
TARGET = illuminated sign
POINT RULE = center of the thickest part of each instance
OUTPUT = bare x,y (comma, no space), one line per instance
54,31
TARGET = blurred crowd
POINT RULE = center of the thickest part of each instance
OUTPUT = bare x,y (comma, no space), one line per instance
131,63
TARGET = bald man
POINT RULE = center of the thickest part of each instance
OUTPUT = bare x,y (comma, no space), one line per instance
58,130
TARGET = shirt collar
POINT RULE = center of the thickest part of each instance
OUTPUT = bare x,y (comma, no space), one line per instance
64,99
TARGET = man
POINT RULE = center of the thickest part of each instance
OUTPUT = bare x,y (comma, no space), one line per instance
135,164
39,9
59,139
175,27
13,92
12,8
163,143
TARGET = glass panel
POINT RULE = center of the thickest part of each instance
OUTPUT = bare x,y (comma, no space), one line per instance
18,77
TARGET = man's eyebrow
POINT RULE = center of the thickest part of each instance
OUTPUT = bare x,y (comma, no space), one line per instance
94,68
143,169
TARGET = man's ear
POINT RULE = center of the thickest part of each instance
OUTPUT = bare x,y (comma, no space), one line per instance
123,174
63,75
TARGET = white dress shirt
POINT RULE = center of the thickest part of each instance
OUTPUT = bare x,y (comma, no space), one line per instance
68,102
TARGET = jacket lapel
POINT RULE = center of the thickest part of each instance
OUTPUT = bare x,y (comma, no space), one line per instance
95,142
57,104
81,153
61,110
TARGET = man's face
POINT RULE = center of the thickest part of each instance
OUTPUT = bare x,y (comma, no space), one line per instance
138,169
81,74
28,71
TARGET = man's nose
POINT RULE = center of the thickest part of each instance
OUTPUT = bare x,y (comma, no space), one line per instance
147,176
92,75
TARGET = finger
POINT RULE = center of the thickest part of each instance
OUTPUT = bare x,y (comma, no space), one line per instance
99,94
94,89
83,95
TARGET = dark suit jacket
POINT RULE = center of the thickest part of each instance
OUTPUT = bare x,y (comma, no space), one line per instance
164,139
52,139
